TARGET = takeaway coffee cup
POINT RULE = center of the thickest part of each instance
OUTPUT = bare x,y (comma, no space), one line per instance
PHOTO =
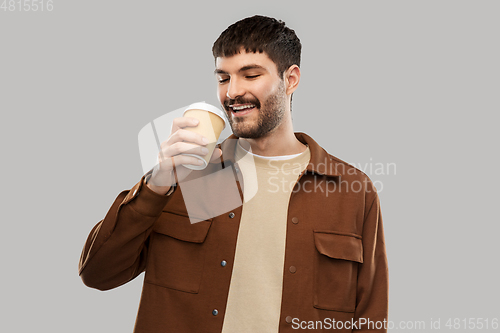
211,124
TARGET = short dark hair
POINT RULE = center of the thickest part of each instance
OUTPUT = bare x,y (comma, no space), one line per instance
261,34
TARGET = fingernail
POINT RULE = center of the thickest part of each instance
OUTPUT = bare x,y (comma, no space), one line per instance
204,150
205,140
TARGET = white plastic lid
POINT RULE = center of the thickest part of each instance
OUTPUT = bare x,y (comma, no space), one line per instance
209,108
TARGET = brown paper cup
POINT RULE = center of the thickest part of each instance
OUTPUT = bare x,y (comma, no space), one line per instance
212,122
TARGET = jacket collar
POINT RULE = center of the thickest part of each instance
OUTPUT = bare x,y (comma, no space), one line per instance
320,163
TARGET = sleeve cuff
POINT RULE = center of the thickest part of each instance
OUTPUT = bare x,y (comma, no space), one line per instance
146,201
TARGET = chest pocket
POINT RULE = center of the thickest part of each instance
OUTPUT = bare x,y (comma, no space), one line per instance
336,269
176,253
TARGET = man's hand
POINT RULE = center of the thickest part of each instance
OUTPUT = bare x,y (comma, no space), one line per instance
180,141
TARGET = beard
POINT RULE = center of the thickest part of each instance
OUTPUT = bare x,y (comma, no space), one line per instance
270,115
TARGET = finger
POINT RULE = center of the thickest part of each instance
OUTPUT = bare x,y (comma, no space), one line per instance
183,159
183,148
187,136
183,122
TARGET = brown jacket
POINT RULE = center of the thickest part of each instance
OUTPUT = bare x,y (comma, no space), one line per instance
335,270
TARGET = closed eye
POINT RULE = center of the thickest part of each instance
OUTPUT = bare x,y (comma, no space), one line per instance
252,76
223,80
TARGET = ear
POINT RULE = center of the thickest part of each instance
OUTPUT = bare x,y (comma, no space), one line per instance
292,78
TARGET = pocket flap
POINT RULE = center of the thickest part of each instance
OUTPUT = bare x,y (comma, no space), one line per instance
339,246
180,227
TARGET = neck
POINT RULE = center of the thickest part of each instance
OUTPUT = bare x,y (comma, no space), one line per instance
281,141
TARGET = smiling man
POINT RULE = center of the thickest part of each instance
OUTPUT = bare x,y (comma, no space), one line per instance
245,79
306,250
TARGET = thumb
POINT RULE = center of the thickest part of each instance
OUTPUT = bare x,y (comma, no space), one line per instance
216,155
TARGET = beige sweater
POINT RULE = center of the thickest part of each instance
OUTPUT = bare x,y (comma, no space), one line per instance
254,300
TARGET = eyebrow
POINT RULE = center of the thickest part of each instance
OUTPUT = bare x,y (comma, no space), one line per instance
242,69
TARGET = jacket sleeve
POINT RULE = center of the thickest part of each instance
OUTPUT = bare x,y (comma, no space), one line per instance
116,249
373,284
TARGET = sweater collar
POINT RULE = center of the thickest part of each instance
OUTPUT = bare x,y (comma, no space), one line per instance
320,163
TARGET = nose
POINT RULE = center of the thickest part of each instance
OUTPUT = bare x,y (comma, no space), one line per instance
235,89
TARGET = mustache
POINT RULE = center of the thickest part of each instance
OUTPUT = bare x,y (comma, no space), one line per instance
241,101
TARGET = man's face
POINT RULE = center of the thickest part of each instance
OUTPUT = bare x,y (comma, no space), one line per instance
251,92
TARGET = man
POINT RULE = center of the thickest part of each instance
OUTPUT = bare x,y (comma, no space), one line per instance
306,251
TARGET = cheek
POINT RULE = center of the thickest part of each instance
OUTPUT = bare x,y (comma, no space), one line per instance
221,94
264,92
263,87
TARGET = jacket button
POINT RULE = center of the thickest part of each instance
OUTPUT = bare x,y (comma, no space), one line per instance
295,220
231,215
288,319
292,269
215,312
223,263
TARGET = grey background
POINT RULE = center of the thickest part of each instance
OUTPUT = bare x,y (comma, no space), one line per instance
408,82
